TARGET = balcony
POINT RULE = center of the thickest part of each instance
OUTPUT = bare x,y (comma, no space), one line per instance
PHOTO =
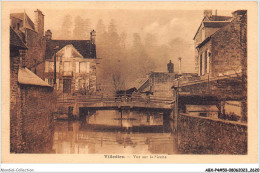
67,73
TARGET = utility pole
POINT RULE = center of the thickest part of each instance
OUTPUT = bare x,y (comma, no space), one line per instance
55,49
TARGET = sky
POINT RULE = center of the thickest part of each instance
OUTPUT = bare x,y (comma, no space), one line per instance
174,27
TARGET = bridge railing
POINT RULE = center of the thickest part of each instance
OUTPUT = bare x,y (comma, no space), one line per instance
96,99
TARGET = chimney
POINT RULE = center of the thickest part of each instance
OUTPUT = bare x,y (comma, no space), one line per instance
48,34
39,22
170,67
92,44
239,14
92,36
179,60
208,13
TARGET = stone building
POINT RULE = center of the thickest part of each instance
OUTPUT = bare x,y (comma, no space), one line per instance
32,101
32,34
221,44
159,84
75,65
222,68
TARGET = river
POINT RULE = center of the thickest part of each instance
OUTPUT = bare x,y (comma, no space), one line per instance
114,132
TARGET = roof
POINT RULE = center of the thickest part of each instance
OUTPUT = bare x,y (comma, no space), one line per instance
16,41
204,42
215,24
220,77
219,18
82,46
212,36
23,16
26,77
213,19
140,82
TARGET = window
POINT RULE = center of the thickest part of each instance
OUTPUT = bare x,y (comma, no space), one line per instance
84,67
66,85
58,83
67,67
206,62
208,55
200,65
51,66
77,67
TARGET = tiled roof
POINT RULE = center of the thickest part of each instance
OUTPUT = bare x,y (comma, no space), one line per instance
26,77
23,16
82,46
15,40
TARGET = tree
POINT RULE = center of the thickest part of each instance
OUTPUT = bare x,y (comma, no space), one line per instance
88,27
66,28
100,28
79,31
123,36
112,27
118,81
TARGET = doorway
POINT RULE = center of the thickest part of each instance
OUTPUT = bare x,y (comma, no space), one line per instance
66,86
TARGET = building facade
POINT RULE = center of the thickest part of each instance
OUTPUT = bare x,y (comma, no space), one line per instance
32,34
221,67
221,44
75,65
32,102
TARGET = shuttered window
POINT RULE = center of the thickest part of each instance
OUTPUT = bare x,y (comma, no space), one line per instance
51,66
77,67
84,67
67,67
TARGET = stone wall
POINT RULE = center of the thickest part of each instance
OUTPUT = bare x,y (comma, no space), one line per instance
227,52
38,103
15,137
199,135
31,118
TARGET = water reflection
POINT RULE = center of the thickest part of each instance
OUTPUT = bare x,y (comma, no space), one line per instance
105,132
124,118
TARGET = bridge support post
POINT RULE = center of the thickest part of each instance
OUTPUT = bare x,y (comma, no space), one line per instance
76,110
173,120
166,120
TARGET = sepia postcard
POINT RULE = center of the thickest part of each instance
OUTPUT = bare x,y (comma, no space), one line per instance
129,82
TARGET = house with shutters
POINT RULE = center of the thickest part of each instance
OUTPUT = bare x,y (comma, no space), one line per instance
75,65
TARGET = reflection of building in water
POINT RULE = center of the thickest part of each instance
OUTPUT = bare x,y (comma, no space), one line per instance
129,118
77,141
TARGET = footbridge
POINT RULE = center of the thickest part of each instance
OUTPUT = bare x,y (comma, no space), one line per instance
74,103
